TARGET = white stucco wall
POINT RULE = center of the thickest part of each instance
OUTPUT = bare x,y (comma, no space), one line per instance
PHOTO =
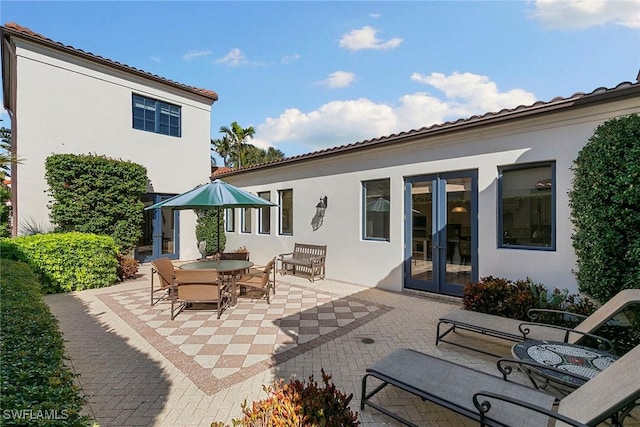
557,137
70,105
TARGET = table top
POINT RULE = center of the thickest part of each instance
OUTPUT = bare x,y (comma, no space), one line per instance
573,358
225,265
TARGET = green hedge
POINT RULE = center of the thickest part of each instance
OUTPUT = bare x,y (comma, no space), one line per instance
97,194
67,261
37,388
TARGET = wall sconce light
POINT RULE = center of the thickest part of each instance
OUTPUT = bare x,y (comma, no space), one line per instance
321,207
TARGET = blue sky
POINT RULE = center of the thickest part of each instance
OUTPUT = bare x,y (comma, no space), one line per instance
309,75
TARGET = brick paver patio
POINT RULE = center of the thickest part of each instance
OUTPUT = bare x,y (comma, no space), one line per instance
139,368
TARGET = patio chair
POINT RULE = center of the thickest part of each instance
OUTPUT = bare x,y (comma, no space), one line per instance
162,268
259,280
517,330
198,287
495,401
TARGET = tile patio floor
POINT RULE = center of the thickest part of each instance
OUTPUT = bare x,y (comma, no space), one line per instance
139,368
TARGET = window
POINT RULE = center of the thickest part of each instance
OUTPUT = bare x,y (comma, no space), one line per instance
246,220
156,116
376,205
286,212
526,209
264,215
229,220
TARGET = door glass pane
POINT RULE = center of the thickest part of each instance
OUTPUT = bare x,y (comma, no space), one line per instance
168,231
458,261
145,244
422,223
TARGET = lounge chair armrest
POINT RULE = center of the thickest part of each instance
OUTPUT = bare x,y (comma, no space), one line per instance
484,406
603,343
286,254
534,313
506,370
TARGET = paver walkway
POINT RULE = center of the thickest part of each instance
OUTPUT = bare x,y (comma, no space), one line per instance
139,368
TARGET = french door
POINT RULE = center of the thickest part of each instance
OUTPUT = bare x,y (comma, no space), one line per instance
159,230
441,212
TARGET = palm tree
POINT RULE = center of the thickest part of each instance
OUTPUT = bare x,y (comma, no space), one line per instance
238,137
222,146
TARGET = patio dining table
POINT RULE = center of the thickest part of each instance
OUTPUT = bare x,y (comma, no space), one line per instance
225,267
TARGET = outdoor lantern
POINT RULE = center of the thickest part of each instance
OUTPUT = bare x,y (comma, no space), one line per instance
321,207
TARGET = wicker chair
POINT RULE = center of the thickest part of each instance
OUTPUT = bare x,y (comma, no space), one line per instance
259,280
198,287
163,269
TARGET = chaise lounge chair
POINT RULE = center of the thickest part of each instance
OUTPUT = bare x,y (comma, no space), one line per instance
495,401
517,330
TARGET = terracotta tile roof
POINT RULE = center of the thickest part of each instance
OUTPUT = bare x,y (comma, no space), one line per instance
220,170
16,30
577,100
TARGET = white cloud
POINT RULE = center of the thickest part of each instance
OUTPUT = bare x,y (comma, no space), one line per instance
195,54
470,94
154,58
290,58
339,79
577,14
348,121
365,38
234,58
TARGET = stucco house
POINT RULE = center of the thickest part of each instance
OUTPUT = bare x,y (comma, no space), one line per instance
65,100
433,208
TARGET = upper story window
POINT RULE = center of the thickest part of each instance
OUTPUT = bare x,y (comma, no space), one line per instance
377,206
264,215
156,116
230,219
526,211
286,212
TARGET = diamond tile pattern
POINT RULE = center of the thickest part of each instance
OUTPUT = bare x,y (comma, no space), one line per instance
249,337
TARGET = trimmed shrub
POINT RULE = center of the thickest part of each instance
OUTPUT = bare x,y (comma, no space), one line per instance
605,209
127,267
70,261
210,224
10,250
299,403
99,195
506,298
37,388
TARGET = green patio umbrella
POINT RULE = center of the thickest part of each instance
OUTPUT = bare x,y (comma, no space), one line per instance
214,195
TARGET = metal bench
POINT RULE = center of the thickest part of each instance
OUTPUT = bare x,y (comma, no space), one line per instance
306,259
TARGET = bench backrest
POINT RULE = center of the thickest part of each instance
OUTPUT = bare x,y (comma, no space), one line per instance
304,251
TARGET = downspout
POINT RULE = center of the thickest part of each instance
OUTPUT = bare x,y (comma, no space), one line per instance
13,83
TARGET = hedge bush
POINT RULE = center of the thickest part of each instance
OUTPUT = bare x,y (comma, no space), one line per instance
67,261
605,209
97,194
299,403
37,388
